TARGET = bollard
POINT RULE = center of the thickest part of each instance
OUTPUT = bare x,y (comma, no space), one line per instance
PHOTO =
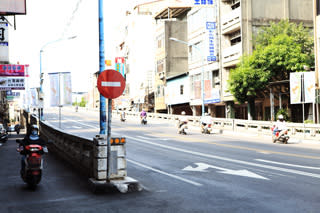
118,166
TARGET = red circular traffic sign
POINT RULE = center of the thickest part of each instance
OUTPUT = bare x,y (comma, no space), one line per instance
111,84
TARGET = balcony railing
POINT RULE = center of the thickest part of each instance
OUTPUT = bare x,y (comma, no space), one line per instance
232,53
231,21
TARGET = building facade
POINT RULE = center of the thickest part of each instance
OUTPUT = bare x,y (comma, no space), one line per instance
240,21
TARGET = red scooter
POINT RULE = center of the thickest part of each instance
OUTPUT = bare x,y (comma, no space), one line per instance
32,172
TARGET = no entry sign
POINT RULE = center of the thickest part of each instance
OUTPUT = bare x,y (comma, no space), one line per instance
111,84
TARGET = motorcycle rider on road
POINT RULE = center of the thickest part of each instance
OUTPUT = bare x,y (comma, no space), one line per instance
183,120
280,126
143,114
123,115
205,120
31,138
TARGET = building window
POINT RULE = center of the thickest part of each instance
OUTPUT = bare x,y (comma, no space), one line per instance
318,7
160,66
235,4
160,41
158,91
215,78
235,37
181,89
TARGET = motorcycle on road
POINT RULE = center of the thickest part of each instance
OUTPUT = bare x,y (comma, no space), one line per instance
206,128
283,138
33,163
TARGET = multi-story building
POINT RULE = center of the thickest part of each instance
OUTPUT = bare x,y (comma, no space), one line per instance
138,49
204,60
240,21
171,79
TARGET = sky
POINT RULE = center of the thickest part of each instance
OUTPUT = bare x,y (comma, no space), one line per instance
47,21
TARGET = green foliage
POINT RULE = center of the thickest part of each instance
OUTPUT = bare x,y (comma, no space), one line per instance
300,35
283,112
245,80
83,103
278,50
280,57
308,121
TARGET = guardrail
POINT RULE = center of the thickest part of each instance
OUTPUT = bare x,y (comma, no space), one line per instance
90,156
76,150
296,130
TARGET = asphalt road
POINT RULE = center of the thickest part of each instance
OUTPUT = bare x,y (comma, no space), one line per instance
192,173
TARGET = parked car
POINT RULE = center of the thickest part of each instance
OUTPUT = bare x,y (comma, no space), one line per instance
3,134
11,128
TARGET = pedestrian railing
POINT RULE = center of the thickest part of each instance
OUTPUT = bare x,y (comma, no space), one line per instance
296,130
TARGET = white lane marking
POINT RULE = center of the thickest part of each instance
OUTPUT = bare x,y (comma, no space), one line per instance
165,173
111,83
202,167
143,137
287,164
91,126
229,159
76,127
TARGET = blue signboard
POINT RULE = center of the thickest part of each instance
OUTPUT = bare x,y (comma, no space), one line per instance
203,2
211,27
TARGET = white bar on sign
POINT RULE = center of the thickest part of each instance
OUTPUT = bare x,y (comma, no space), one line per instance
110,84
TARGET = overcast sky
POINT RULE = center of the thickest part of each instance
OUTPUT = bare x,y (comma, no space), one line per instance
48,20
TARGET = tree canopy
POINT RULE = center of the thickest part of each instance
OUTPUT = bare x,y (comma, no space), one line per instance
279,49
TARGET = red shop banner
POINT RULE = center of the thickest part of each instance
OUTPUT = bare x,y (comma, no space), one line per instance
11,70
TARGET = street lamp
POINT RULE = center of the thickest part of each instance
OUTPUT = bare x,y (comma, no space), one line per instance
202,71
41,77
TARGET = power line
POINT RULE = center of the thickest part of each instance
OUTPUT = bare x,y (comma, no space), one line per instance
67,27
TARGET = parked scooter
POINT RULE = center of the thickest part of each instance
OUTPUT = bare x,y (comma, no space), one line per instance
206,128
32,172
282,139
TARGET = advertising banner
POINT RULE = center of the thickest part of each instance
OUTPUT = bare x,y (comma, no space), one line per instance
65,88
54,89
11,70
8,83
295,88
33,97
60,89
12,7
119,65
309,87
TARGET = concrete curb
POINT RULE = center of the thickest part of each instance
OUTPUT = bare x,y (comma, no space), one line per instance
125,185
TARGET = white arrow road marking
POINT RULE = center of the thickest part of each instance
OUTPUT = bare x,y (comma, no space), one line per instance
228,159
110,84
202,167
287,164
165,173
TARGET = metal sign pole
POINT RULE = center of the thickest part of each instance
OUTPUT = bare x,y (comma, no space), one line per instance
101,66
108,139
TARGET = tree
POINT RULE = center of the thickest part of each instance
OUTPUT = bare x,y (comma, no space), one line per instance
245,81
278,50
